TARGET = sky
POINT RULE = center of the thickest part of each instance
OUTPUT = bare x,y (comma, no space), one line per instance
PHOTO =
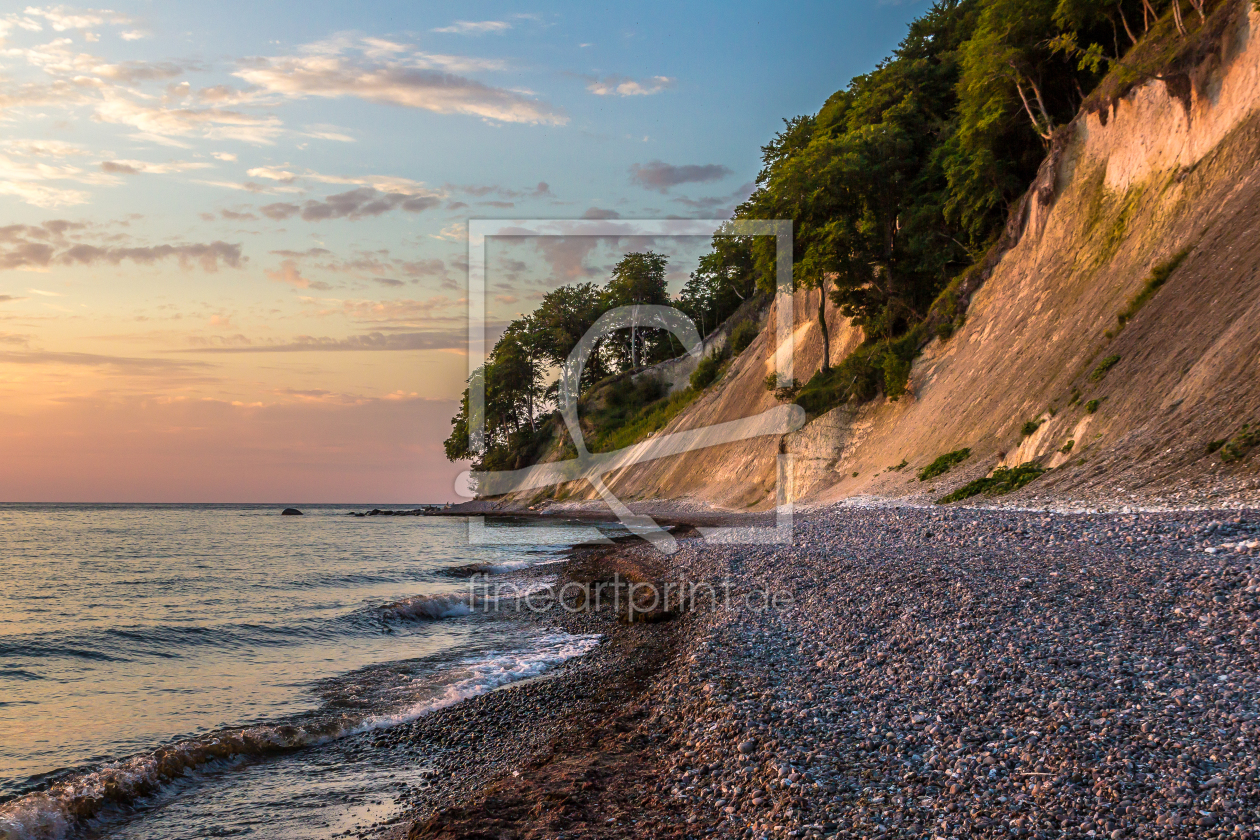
233,255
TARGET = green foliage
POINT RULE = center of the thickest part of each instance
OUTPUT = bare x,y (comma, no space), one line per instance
896,375
708,371
1237,447
1103,366
1003,480
897,189
904,463
742,336
1067,447
1217,444
784,391
1159,276
859,376
645,422
639,278
943,464
1091,406
1030,427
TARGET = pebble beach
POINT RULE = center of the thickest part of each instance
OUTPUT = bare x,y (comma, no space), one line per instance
927,673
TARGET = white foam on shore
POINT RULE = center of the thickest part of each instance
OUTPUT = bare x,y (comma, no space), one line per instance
52,814
494,670
430,607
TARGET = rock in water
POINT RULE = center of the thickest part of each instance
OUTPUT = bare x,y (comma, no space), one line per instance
291,512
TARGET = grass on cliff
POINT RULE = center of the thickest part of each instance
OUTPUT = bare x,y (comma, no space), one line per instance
1159,276
1237,447
1003,480
649,420
943,464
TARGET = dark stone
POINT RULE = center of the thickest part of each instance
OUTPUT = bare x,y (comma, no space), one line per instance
291,512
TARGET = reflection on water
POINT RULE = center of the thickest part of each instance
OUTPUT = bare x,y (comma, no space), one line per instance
223,630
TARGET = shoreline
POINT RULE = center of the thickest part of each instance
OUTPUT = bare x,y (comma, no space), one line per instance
941,672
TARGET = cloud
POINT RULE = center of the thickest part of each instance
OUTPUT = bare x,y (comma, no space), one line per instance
288,273
59,58
475,27
599,213
124,364
40,246
271,173
660,176
279,211
43,196
361,203
136,167
24,177
61,19
376,341
208,255
395,74
567,255
719,206
625,86
384,183
227,156
160,124
9,298
390,311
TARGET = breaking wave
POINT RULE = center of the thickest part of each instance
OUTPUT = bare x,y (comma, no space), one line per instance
55,813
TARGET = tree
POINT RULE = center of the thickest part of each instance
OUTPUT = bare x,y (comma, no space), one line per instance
564,316
637,279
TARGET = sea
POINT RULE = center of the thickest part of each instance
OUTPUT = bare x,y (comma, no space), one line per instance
186,671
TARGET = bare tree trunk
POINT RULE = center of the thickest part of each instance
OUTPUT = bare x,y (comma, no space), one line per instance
1198,7
1176,6
822,324
1125,21
1028,110
1041,106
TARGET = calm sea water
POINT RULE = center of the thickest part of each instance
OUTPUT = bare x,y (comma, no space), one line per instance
141,646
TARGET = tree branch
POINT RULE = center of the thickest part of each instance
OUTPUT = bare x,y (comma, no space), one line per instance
1023,97
1125,21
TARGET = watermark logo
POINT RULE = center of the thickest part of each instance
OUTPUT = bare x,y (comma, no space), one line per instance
592,467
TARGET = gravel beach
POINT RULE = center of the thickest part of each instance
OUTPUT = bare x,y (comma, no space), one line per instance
937,673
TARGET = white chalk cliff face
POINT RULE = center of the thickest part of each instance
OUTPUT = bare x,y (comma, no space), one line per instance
1171,167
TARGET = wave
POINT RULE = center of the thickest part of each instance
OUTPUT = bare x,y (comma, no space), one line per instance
430,607
54,814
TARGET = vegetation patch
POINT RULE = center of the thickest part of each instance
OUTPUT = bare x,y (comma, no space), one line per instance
904,463
742,336
1091,406
647,422
708,371
1067,447
1003,480
875,366
1030,427
1159,276
1103,366
943,464
1237,447
785,390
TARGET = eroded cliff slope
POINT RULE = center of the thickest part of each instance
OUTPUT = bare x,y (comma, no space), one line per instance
1163,176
